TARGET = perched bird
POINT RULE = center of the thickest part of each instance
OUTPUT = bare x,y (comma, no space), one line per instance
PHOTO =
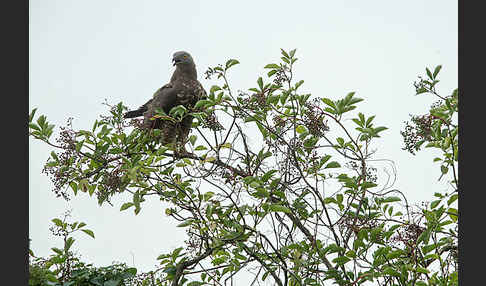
183,89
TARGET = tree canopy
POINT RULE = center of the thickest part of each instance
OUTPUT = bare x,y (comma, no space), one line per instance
305,206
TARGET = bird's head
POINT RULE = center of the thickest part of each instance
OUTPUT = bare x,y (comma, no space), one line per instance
182,58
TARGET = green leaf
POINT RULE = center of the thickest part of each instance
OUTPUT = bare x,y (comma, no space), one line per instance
112,283
424,236
420,90
185,223
34,126
176,252
202,102
262,129
367,185
339,198
171,270
351,253
279,208
73,225
325,159
340,260
329,102
391,199
394,254
231,63
91,189
187,161
41,121
348,97
299,84
429,74
260,83
452,214
272,66
444,169
192,139
452,199
214,88
268,175
368,121
284,53
254,184
31,116
357,122
300,129
51,278
136,200
433,256
207,196
57,222
354,100
178,110
436,71
379,129
390,271
292,53
329,200
434,204
126,206
195,283
56,250
225,145
332,164
132,271
422,270
428,248
200,147
88,232
68,244
358,243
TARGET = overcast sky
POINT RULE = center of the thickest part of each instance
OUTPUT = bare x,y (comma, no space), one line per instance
82,52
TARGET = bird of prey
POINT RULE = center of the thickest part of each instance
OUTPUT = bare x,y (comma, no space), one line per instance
183,89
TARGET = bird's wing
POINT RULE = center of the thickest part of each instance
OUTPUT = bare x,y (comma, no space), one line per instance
193,92
140,111
203,94
164,98
200,92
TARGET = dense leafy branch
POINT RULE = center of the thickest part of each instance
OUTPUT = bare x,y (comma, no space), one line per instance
274,180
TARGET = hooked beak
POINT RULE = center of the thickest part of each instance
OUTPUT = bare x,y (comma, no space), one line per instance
176,61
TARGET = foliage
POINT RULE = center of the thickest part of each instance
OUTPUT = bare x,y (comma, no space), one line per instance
287,189
65,268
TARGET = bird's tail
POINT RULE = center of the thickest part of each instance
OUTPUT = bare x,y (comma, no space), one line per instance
134,113
138,112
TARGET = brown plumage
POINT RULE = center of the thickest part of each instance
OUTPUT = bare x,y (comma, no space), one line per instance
183,89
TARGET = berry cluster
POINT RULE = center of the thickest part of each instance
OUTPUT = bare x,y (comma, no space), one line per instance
281,76
417,131
211,71
211,122
61,172
314,119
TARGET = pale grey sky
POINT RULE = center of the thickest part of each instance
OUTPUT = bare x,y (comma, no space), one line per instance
81,52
